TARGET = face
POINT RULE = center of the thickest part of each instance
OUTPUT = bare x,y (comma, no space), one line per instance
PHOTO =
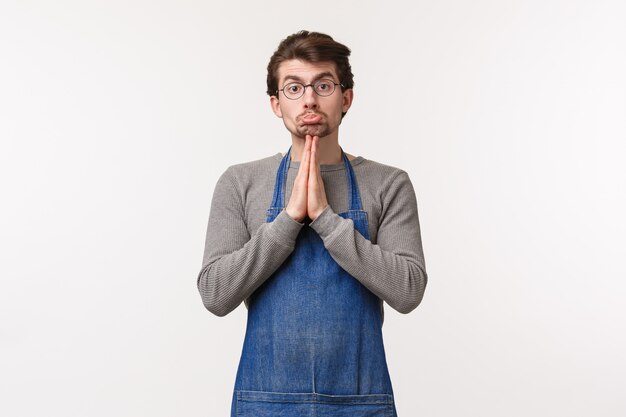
310,114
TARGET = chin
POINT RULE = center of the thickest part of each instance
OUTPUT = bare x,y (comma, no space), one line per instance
320,131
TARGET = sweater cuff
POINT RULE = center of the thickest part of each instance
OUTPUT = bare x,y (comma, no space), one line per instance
286,229
326,223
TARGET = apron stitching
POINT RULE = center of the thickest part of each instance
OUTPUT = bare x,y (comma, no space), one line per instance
313,369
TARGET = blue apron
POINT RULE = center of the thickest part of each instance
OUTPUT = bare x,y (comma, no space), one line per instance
313,344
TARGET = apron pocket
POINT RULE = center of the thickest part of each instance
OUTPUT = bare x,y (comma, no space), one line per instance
279,404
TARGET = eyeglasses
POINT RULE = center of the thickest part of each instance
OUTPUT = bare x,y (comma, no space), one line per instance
323,87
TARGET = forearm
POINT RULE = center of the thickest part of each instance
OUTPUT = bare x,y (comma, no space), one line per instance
229,278
398,277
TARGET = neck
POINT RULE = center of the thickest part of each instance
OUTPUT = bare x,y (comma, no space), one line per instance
328,150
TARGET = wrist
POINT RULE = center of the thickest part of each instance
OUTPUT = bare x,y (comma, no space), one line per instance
294,217
319,212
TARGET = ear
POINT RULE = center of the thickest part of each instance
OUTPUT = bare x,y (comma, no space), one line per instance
348,96
276,106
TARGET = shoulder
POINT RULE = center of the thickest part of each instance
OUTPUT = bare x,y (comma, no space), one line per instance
376,173
247,172
249,181
269,162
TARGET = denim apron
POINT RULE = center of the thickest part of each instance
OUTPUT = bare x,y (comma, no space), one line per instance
313,345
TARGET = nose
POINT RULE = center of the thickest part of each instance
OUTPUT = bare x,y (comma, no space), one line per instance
309,99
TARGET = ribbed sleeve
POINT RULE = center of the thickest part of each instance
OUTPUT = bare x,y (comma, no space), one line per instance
235,264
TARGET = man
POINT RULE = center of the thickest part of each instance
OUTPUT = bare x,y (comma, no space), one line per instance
313,241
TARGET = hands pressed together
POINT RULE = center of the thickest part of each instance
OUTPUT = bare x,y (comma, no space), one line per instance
308,197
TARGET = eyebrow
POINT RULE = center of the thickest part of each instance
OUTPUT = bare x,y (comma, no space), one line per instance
317,77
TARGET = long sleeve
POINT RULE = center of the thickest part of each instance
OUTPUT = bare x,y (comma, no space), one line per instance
235,263
393,268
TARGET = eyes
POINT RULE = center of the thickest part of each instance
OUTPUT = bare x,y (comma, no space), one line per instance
294,88
323,87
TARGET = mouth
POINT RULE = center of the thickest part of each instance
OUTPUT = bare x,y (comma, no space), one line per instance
311,119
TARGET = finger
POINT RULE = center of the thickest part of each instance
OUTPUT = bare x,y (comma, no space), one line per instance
317,166
306,157
307,147
315,173
313,161
303,163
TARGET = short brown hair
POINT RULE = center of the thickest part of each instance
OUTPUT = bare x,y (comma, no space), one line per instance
310,47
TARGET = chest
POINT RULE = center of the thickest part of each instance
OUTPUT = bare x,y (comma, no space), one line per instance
258,197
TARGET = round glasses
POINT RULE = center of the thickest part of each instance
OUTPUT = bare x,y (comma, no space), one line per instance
295,90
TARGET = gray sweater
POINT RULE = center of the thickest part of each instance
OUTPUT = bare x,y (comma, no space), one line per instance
242,250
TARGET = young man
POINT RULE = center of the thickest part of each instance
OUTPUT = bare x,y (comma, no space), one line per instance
313,241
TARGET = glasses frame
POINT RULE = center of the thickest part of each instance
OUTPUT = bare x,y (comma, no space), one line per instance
312,85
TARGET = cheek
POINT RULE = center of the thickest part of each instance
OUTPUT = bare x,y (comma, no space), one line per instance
287,111
339,110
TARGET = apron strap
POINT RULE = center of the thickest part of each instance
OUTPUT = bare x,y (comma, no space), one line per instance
278,200
353,189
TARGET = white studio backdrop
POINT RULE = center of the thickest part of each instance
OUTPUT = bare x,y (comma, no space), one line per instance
117,118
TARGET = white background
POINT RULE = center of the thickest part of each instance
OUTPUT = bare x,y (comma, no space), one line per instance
117,118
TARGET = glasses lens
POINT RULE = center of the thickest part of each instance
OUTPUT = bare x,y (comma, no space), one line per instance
293,90
324,87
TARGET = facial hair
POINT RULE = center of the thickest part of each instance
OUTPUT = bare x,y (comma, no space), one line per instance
319,129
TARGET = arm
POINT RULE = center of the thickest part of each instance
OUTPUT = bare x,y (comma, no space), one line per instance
235,264
394,268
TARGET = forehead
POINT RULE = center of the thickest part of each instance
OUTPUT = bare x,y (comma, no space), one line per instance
304,70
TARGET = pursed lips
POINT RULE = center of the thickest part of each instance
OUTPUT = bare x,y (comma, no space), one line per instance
310,118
